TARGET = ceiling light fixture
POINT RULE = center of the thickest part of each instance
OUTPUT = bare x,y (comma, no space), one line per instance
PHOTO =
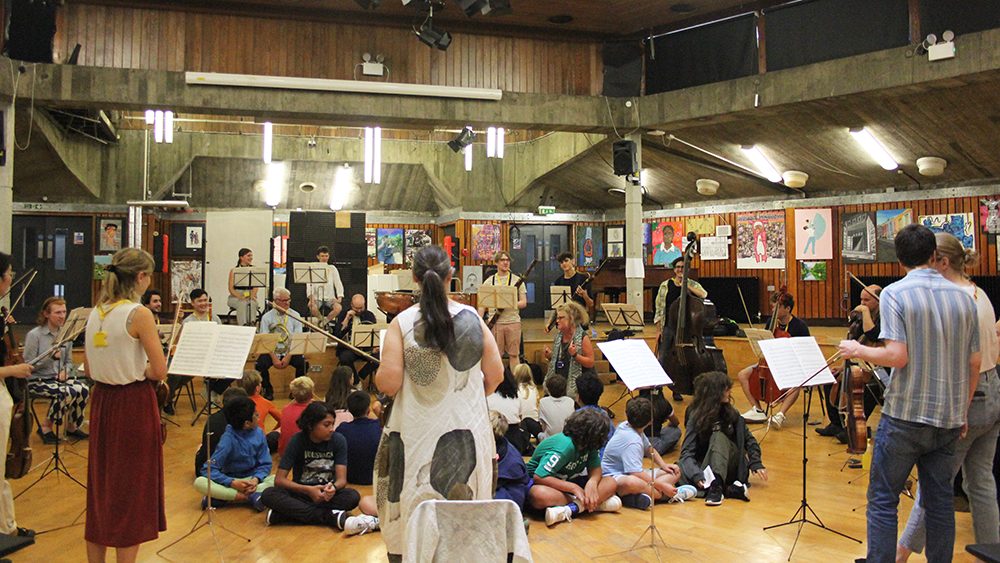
874,148
763,165
430,36
168,127
343,182
274,183
373,155
468,158
158,126
268,141
706,186
931,165
494,142
341,86
150,116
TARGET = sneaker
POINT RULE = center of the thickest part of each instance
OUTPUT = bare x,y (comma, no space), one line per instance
24,533
754,415
777,420
854,463
360,525
684,493
842,436
341,516
714,495
613,504
556,514
49,438
169,409
738,491
78,434
641,501
254,499
828,430
269,518
216,503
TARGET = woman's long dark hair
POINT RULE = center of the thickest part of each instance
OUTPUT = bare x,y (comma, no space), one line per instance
243,252
431,266
507,387
707,409
4,262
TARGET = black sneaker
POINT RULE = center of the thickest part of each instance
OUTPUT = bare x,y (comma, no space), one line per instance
50,438
272,518
738,491
842,436
168,409
24,533
714,495
78,434
341,516
828,430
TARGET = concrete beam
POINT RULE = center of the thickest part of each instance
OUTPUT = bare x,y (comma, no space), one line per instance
83,158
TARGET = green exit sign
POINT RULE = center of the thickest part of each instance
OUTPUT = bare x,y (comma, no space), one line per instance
546,209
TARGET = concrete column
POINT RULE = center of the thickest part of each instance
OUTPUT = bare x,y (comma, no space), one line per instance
7,180
634,270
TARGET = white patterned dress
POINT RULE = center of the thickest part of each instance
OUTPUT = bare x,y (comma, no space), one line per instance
438,443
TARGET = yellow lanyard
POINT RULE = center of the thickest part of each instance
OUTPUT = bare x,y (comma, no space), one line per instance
100,337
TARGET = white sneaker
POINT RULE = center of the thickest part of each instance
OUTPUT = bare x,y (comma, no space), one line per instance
777,420
613,504
360,525
556,514
754,415
684,493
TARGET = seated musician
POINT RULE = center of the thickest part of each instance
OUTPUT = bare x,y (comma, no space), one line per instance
873,387
324,298
277,322
507,330
153,301
201,306
51,376
343,328
574,281
794,326
668,292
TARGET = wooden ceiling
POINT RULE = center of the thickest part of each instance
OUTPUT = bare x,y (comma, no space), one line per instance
589,18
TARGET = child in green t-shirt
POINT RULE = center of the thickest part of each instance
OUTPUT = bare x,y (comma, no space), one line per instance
566,470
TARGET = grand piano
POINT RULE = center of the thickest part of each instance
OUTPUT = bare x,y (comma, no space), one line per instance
611,282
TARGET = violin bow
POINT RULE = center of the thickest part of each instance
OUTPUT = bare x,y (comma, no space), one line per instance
745,310
32,273
864,288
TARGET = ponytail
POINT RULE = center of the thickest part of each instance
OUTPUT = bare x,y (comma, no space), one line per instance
431,265
121,276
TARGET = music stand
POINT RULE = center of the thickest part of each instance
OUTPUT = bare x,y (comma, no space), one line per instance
249,278
638,369
791,360
497,296
559,294
302,343
214,359
367,335
624,316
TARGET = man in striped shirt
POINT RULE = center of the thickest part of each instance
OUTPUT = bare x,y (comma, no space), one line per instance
932,345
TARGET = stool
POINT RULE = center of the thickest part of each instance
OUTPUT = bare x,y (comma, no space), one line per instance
188,388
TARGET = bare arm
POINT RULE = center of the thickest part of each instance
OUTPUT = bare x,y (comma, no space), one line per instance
585,356
232,290
389,377
143,327
894,354
974,363
491,364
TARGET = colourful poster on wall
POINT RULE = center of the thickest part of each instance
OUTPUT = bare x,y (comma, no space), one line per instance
485,241
888,222
370,240
813,234
390,246
667,237
589,245
857,240
760,240
961,225
415,240
701,226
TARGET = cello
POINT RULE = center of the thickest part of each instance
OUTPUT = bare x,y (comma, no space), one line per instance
684,353
762,385
851,392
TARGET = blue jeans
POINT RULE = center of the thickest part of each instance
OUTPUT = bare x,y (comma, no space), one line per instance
899,445
974,455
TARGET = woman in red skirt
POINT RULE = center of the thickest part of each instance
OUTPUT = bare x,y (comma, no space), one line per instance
124,357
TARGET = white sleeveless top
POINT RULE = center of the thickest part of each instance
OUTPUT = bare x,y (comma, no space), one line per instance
123,360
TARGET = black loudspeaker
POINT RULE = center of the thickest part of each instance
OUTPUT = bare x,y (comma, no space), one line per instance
624,158
30,30
622,68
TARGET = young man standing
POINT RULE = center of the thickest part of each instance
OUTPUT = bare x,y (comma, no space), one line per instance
931,337
574,281
507,330
324,298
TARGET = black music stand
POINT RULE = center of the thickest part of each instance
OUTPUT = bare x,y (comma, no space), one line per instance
312,274
247,279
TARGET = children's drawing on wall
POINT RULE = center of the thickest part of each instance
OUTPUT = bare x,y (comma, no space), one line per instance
813,235
111,235
370,239
888,222
858,237
961,225
667,238
760,240
485,241
415,240
589,245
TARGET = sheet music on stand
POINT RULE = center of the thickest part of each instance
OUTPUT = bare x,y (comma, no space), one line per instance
635,363
75,323
497,296
306,343
309,272
623,316
367,335
793,360
405,278
558,294
754,336
212,350
264,343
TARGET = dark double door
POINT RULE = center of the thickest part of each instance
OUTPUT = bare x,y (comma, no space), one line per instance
545,243
62,250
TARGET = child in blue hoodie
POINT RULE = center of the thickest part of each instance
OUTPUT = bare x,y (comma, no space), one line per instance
512,474
241,463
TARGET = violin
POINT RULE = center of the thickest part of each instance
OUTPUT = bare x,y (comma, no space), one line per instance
762,385
19,456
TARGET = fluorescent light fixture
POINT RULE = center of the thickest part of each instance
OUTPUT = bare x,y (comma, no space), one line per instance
643,176
874,148
172,203
377,159
468,158
150,115
342,86
274,183
369,153
158,126
343,182
491,142
500,141
761,163
268,141
168,127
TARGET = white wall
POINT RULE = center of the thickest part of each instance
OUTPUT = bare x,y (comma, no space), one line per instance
226,232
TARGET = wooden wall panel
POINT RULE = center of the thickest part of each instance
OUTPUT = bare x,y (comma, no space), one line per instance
122,37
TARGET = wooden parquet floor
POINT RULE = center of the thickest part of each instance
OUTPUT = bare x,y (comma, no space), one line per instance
731,532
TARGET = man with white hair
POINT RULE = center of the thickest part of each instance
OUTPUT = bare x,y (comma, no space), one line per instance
276,321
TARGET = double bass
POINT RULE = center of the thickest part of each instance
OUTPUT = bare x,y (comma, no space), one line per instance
684,353
762,385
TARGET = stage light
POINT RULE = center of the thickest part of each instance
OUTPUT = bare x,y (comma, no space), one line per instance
763,165
432,37
472,7
874,148
463,139
268,141
496,8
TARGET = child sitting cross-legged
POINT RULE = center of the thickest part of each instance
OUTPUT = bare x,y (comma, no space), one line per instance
252,384
362,435
241,464
316,492
513,480
623,461
567,470
301,391
555,407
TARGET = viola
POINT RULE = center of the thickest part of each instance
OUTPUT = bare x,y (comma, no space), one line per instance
19,455
851,388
